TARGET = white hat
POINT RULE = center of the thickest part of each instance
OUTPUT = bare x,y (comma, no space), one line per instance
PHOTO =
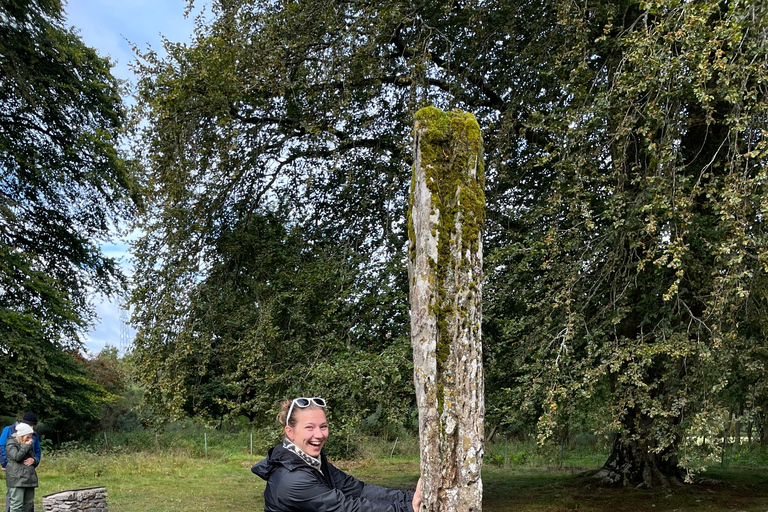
23,429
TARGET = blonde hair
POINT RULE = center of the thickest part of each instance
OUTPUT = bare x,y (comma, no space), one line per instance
285,407
28,430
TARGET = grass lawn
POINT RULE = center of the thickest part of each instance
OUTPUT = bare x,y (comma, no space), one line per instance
150,483
153,483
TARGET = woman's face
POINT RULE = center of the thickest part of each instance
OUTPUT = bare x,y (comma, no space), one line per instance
25,438
310,432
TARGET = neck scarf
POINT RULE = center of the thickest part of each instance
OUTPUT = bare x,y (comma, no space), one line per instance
311,461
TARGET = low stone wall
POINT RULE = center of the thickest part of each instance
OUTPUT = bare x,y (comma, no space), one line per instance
93,499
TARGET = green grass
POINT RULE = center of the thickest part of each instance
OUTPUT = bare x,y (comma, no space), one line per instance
156,482
144,472
164,482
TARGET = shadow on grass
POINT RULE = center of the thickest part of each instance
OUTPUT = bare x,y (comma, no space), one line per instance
566,490
529,490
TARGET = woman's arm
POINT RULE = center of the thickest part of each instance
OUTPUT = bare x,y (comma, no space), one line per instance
18,452
299,491
351,486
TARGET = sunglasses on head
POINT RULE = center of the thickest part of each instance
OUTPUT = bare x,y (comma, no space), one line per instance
303,403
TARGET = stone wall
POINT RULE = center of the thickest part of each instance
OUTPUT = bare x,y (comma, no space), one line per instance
93,499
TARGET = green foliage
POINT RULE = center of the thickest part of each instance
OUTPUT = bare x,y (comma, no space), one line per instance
113,373
63,186
625,164
261,269
636,280
301,112
106,370
271,319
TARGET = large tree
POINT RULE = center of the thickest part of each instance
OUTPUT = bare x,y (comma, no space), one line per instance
636,279
63,188
276,223
304,111
625,172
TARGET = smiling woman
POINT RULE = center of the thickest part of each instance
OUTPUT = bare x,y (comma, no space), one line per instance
299,477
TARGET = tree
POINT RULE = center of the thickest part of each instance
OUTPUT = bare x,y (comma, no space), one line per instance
332,291
624,154
63,186
113,373
274,316
304,111
107,370
445,267
639,274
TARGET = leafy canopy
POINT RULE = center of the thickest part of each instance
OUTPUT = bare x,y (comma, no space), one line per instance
63,187
625,162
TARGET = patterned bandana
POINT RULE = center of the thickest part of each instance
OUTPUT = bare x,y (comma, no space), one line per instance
313,462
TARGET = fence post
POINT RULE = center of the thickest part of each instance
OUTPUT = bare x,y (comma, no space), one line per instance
205,441
392,453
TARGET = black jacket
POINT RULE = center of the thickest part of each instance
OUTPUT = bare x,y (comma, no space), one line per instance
294,486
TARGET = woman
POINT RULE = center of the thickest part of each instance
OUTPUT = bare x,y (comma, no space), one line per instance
300,478
20,476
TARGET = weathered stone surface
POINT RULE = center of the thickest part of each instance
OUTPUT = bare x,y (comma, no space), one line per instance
93,499
445,226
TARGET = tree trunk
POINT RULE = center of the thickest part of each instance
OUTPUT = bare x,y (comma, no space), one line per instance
635,463
445,224
492,434
726,438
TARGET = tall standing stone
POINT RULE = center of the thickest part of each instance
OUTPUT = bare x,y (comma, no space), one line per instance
445,268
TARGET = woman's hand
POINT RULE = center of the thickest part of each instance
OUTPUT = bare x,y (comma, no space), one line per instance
417,497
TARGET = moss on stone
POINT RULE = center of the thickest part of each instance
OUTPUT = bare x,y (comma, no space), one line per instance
449,144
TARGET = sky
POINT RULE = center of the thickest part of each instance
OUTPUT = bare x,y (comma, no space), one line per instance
110,26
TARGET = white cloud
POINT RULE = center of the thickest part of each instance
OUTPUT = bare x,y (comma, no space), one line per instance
110,26
119,251
110,329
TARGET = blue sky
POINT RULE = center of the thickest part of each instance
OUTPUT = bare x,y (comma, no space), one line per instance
110,26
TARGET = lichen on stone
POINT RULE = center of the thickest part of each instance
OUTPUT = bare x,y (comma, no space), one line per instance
451,155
